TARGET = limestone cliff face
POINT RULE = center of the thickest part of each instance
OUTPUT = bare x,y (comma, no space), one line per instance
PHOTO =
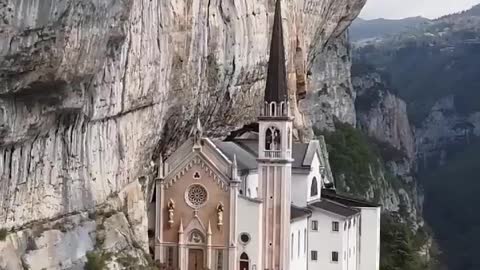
383,116
332,97
90,89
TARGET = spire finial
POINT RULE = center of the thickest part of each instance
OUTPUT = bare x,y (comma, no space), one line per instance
235,161
161,167
276,89
209,230
234,168
197,131
199,125
180,230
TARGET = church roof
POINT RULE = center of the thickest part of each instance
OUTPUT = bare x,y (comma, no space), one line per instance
335,208
247,153
345,200
299,213
276,89
246,160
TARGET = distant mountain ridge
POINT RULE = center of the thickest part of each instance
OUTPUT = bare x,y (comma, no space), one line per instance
368,29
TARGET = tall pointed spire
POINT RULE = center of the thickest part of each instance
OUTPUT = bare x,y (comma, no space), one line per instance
276,89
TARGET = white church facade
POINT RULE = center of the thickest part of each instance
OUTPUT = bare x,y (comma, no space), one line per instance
259,200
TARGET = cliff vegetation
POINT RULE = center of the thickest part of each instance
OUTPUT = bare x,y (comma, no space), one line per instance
358,163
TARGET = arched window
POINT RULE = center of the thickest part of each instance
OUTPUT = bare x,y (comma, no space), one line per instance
272,109
284,112
291,246
304,241
298,244
244,262
272,139
314,187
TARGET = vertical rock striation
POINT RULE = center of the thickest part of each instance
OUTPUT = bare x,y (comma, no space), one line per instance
90,89
383,116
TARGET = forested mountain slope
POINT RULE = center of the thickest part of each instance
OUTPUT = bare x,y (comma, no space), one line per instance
435,69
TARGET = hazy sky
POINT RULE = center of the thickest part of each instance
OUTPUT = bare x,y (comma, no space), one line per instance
397,9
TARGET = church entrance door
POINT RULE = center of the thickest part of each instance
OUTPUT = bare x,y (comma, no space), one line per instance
195,259
244,265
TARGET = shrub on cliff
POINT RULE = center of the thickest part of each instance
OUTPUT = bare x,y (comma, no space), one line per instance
97,260
3,234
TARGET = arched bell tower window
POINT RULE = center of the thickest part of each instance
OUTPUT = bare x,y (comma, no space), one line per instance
272,109
272,139
314,187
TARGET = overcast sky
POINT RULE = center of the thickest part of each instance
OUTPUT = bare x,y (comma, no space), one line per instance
397,9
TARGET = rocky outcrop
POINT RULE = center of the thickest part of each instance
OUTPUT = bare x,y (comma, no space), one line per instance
382,114
91,91
444,130
112,232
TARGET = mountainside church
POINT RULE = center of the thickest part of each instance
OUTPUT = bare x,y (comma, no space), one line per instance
259,200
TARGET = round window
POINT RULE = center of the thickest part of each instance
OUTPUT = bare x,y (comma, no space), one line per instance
196,195
244,238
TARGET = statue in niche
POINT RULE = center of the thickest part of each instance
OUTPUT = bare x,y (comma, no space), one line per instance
196,237
171,209
220,209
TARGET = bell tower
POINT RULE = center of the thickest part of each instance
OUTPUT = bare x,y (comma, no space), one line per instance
275,155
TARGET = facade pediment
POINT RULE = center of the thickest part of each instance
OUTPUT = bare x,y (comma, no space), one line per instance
208,168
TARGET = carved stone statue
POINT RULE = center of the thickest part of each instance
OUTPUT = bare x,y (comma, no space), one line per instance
171,209
220,209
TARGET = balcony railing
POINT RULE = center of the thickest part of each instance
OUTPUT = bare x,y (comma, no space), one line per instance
273,154
276,154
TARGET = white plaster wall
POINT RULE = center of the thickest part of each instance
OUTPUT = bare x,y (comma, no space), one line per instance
370,239
251,185
325,241
299,189
344,253
249,221
351,249
299,259
302,181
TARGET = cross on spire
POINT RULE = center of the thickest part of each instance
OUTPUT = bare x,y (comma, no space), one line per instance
276,89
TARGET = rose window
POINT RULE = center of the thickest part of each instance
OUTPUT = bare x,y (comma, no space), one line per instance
196,196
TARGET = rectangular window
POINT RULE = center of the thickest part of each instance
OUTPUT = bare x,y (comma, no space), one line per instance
313,255
220,260
170,255
334,256
314,226
335,226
